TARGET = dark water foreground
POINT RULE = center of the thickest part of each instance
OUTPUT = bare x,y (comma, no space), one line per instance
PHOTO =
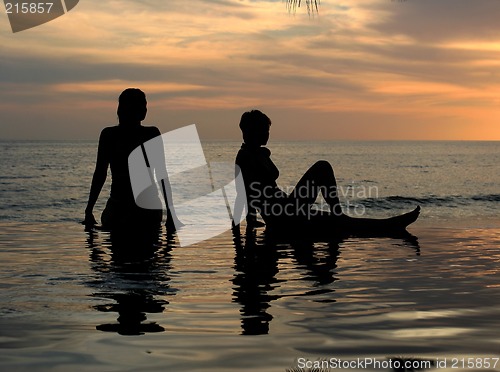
69,301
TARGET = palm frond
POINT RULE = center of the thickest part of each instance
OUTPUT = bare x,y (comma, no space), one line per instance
312,5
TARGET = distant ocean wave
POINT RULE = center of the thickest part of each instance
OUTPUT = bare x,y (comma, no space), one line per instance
390,202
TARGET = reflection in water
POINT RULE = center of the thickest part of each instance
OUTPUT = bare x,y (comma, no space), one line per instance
319,261
256,267
134,275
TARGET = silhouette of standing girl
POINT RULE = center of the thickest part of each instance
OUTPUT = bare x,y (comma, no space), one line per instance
115,145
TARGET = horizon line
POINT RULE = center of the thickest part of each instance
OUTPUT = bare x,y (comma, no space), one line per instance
270,141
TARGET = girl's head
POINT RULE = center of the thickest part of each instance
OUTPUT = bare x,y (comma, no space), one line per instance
255,127
132,106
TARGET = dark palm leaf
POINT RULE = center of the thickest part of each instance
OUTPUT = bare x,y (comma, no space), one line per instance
312,5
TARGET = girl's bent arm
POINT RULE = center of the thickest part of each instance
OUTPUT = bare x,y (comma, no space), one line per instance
99,177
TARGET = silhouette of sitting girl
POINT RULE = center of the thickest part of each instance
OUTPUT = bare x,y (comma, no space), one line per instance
115,145
279,209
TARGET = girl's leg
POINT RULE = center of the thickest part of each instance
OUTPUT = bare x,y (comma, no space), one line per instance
318,178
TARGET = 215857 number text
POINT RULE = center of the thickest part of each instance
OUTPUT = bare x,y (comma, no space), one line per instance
28,8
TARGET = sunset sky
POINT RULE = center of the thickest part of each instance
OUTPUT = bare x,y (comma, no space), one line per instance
360,69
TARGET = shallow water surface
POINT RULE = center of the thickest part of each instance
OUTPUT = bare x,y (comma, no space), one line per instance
73,300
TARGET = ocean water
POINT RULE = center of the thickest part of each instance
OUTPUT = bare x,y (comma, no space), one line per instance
70,300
